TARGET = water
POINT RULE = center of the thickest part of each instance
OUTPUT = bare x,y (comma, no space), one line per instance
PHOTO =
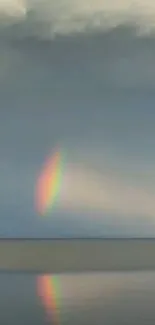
80,299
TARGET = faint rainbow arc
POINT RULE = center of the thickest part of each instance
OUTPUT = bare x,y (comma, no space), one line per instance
49,183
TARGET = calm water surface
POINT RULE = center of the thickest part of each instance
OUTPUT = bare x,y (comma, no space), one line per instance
94,298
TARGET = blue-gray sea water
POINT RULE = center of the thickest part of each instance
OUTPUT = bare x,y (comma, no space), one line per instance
92,298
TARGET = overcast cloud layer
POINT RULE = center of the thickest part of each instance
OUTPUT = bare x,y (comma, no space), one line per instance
48,18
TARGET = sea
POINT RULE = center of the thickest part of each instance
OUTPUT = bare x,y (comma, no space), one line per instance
94,298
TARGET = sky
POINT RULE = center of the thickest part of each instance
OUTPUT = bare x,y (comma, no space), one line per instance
79,75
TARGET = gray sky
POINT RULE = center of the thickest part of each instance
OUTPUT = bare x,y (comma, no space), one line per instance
80,74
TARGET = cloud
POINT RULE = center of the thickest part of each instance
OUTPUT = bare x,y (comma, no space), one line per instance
12,10
48,18
132,63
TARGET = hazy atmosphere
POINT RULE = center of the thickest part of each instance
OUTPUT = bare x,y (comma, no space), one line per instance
79,75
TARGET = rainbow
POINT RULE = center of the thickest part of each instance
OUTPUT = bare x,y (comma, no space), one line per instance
48,289
49,183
